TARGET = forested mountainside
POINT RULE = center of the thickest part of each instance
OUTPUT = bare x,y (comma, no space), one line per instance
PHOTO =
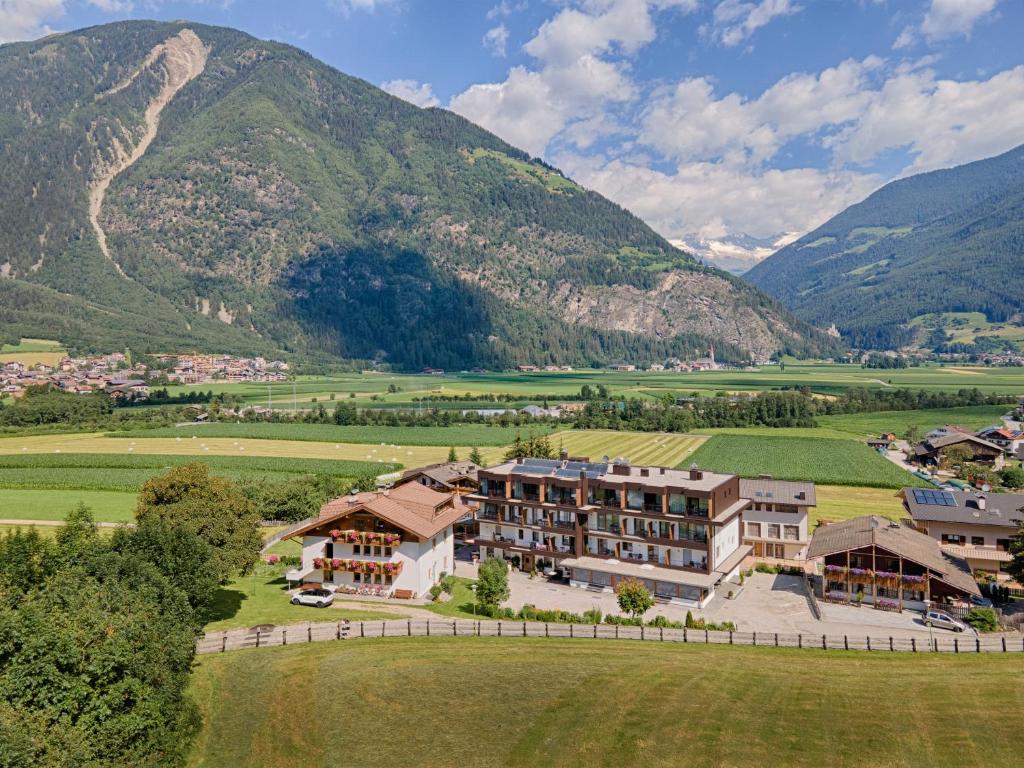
940,242
173,185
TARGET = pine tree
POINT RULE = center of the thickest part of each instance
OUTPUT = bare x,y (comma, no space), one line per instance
476,457
452,456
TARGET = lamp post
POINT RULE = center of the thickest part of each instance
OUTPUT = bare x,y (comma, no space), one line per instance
472,588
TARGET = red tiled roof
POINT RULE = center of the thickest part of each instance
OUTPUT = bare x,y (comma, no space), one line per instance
412,507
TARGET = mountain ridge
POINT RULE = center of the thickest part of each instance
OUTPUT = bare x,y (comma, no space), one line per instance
902,253
259,200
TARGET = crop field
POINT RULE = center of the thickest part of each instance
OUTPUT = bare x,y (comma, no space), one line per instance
51,504
410,456
660,448
821,460
464,434
862,424
404,701
359,388
32,352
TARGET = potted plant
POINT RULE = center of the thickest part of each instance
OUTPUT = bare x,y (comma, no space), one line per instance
335,533
352,537
318,562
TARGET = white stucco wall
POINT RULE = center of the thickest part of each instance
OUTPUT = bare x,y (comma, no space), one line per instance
726,541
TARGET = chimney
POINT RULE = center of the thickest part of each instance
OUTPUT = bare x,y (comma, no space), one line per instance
982,501
695,473
662,470
802,495
519,460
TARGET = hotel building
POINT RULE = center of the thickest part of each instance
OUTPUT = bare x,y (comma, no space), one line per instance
678,531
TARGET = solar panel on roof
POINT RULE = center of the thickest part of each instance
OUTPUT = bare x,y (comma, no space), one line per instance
934,498
569,473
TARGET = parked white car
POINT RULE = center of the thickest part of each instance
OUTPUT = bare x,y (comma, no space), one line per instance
944,621
320,598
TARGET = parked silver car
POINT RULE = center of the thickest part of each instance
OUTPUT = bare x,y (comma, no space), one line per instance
321,598
944,621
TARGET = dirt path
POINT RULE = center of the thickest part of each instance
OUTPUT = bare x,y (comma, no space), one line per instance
183,59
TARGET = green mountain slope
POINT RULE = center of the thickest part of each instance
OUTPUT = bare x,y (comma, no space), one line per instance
174,186
946,241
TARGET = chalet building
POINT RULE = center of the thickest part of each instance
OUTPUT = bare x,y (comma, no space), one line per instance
775,524
450,477
876,561
933,449
399,540
679,532
446,477
975,527
1010,440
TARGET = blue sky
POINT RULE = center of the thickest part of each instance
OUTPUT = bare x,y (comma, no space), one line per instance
730,125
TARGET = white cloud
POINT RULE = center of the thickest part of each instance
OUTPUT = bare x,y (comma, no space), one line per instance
420,94
575,82
505,9
113,6
736,20
496,40
346,7
27,19
689,122
940,122
711,201
950,18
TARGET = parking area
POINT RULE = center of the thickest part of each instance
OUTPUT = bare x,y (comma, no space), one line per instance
766,603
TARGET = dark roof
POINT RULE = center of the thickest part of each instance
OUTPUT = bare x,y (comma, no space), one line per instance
965,507
445,473
778,491
954,438
900,540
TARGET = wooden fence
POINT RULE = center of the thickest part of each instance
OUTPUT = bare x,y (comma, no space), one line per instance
295,634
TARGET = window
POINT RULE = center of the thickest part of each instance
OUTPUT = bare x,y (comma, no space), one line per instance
357,549
754,530
1003,545
774,531
952,538
977,541
792,532
635,499
387,551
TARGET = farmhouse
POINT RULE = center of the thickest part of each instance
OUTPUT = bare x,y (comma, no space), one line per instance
598,523
976,527
1010,440
876,561
389,541
933,449
446,477
775,524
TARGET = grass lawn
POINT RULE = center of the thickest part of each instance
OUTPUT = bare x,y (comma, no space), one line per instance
825,461
467,702
464,434
459,605
106,506
32,352
659,448
841,502
262,599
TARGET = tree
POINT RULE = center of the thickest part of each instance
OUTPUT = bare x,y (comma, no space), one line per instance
912,433
517,450
956,455
188,500
452,455
1012,477
476,457
1016,566
492,582
634,598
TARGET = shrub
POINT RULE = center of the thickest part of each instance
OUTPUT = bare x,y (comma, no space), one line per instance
633,596
982,619
435,592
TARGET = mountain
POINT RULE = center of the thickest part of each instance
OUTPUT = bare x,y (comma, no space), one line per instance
736,254
918,249
173,185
